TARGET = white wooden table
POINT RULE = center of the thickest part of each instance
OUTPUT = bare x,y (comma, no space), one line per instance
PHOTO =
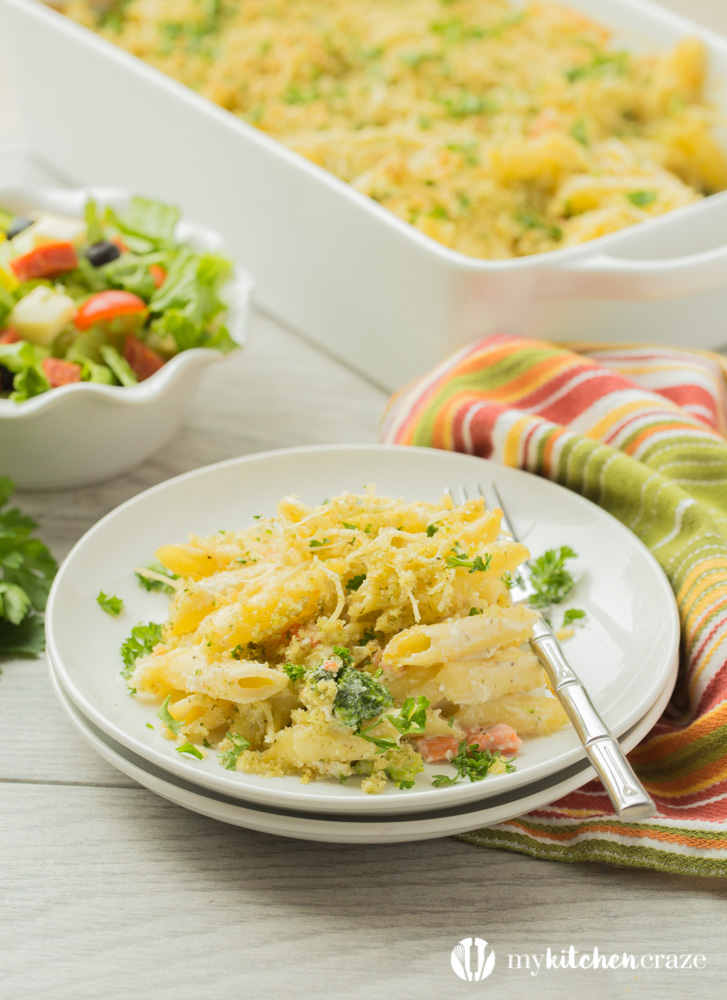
109,891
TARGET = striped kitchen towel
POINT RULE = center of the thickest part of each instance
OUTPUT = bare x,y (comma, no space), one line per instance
642,432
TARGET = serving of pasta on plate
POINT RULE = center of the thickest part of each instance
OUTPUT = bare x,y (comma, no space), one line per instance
365,636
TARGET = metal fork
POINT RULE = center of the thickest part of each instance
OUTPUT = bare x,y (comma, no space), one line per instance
628,796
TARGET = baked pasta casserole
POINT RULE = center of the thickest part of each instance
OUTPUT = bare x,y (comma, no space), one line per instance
498,129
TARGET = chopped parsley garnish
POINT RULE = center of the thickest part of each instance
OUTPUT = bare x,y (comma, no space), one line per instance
355,582
344,654
406,784
573,615
579,133
150,584
368,636
350,527
412,716
467,150
111,605
142,640
641,198
550,578
410,721
465,103
458,558
432,529
474,611
295,671
314,543
228,758
529,221
168,720
415,59
602,64
471,762
191,749
382,743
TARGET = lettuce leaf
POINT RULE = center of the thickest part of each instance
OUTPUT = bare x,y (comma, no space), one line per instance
91,372
24,360
6,304
118,365
95,228
189,301
147,224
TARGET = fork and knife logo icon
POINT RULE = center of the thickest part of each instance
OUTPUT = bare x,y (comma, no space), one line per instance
470,961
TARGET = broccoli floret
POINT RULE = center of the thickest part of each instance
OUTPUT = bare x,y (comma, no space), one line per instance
403,764
360,696
364,767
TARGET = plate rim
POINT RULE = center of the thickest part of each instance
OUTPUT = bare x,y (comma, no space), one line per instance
302,798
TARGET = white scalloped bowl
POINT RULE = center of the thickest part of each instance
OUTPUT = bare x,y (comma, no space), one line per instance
86,433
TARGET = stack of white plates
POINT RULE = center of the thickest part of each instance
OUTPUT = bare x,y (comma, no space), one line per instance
626,654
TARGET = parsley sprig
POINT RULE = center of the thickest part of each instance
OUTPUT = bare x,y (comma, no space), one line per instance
409,721
110,604
458,557
550,578
142,640
412,716
26,572
167,718
149,583
471,762
295,671
228,758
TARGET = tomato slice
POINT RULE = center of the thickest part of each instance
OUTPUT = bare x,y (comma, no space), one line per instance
141,359
9,336
60,372
51,258
158,274
109,305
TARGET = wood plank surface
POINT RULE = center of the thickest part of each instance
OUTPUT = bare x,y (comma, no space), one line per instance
109,891
140,898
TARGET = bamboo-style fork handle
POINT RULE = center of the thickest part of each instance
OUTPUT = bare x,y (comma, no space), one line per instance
628,796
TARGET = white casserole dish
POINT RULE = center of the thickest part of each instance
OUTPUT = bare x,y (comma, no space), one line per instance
87,433
330,262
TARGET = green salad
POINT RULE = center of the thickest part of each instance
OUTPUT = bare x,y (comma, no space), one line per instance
108,298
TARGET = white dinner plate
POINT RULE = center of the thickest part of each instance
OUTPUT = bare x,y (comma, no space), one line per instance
353,828
625,653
